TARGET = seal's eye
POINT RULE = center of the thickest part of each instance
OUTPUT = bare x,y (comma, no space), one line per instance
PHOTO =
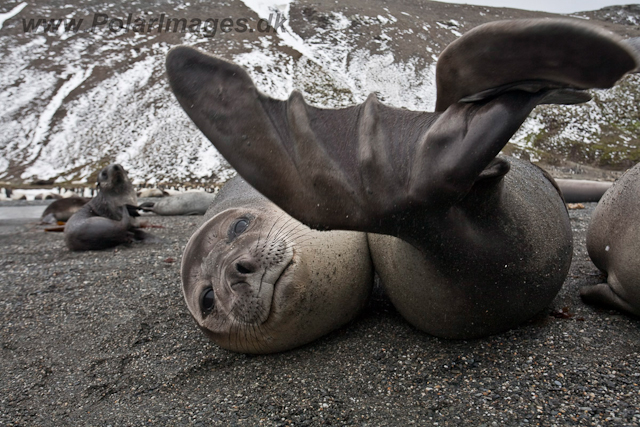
240,226
237,228
207,300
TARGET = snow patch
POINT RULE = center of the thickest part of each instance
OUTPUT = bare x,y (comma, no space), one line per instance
44,122
13,12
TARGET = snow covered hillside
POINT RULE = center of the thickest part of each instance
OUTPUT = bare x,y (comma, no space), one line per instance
82,83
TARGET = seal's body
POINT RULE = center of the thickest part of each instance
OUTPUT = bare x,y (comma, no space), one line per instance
258,281
478,243
104,221
488,263
582,190
189,203
613,243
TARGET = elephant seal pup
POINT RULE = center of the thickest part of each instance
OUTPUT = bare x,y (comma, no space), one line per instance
105,220
489,262
470,222
189,203
63,209
258,281
613,243
582,190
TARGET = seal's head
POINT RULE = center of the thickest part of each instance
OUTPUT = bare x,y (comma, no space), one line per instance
258,281
114,182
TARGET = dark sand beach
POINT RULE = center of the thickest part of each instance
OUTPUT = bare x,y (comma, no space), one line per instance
104,338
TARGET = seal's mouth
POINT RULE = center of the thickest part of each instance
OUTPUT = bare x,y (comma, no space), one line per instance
284,272
276,285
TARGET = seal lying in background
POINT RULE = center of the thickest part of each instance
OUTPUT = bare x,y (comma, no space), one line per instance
150,192
582,190
47,196
189,203
613,243
105,221
63,209
476,244
258,281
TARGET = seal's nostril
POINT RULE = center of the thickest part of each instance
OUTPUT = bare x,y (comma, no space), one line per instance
244,268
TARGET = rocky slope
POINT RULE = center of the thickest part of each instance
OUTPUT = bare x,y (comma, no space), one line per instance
73,101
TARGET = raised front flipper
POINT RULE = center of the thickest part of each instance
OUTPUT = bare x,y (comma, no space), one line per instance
530,55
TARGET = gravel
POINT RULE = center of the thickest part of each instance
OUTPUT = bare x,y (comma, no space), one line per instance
104,338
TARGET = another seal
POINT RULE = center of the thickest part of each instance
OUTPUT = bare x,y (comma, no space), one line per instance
485,264
189,203
47,196
613,243
150,192
258,281
105,221
484,242
582,190
63,209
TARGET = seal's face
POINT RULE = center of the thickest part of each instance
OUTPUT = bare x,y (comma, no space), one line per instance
243,279
244,268
113,178
114,182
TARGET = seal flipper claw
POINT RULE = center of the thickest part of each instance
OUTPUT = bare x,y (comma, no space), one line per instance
566,96
556,94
